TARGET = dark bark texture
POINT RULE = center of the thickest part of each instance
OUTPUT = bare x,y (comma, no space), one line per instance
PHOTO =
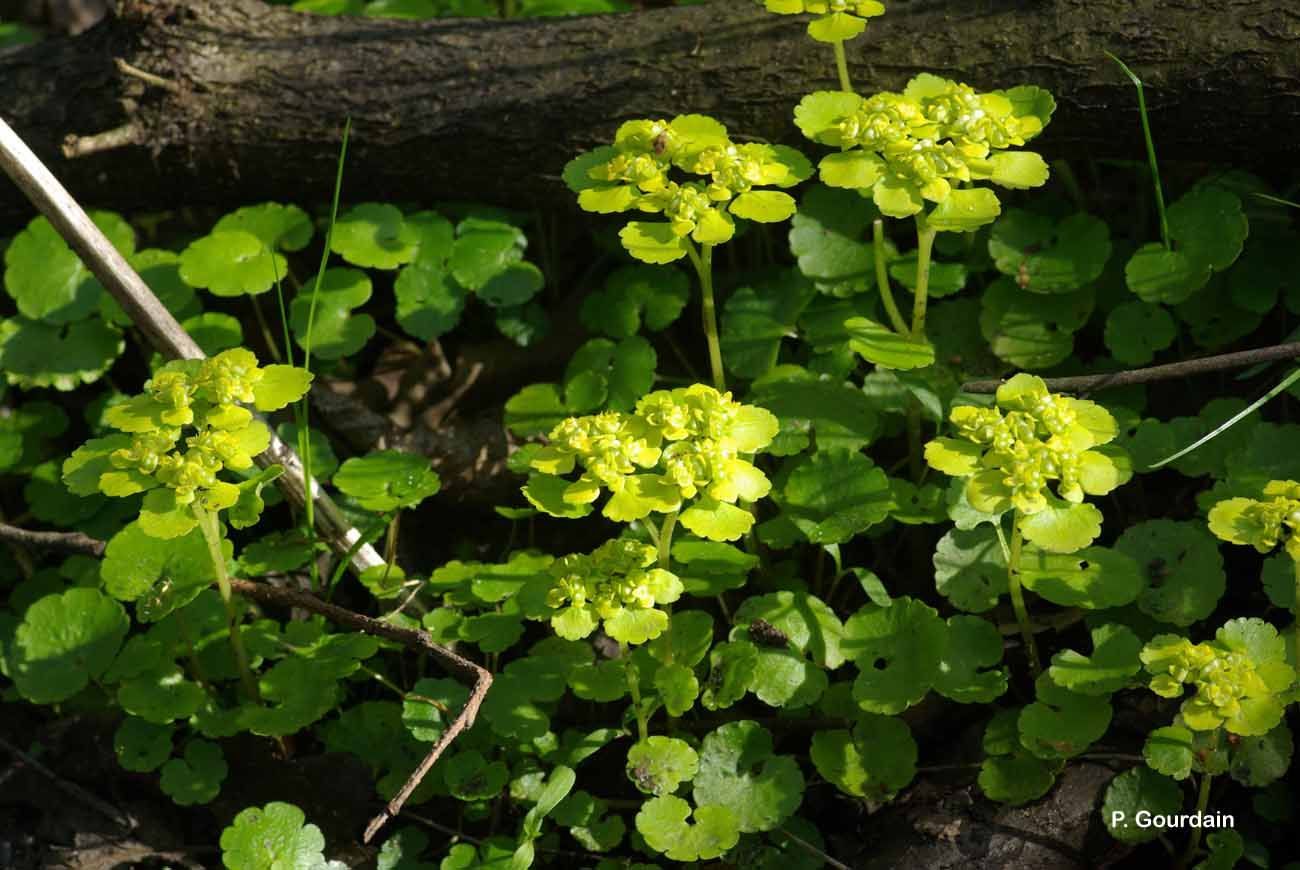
250,100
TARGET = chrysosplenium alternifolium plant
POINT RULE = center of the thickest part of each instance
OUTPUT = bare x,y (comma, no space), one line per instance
1264,523
616,585
919,146
1036,455
680,453
177,438
1239,677
930,144
719,179
188,426
689,171
837,21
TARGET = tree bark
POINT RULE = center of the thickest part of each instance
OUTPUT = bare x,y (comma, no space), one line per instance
227,102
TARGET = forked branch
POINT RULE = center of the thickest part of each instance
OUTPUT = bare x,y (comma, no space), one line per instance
478,679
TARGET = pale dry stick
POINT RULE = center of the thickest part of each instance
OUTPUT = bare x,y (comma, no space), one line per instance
464,669
1151,374
159,326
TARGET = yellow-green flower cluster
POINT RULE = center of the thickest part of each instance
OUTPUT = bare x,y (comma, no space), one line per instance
837,20
186,428
1261,523
678,446
615,584
1237,677
1032,441
924,143
716,179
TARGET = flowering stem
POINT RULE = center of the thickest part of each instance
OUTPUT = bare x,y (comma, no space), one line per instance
634,687
703,260
1295,610
1018,596
924,245
1202,803
212,534
842,66
665,541
882,278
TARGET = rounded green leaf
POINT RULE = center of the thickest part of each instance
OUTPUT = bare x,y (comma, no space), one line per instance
836,27
375,235
286,227
898,651
273,836
196,778
1112,665
429,300
387,480
47,279
471,777
1170,750
1139,790
232,263
1135,331
280,386
1257,761
1183,569
968,672
1156,274
739,772
1047,256
652,242
142,746
965,210
763,206
633,295
662,821
1062,723
336,331
884,347
35,354
833,495
63,642
969,569
658,765
1062,527
513,285
1095,578
818,114
875,761
483,250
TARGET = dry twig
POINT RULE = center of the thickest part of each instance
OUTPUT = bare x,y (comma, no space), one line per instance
158,324
465,670
1151,374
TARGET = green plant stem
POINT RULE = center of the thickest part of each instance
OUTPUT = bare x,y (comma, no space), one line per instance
703,260
1018,596
665,541
211,529
882,278
634,688
1202,803
924,246
842,66
1295,611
